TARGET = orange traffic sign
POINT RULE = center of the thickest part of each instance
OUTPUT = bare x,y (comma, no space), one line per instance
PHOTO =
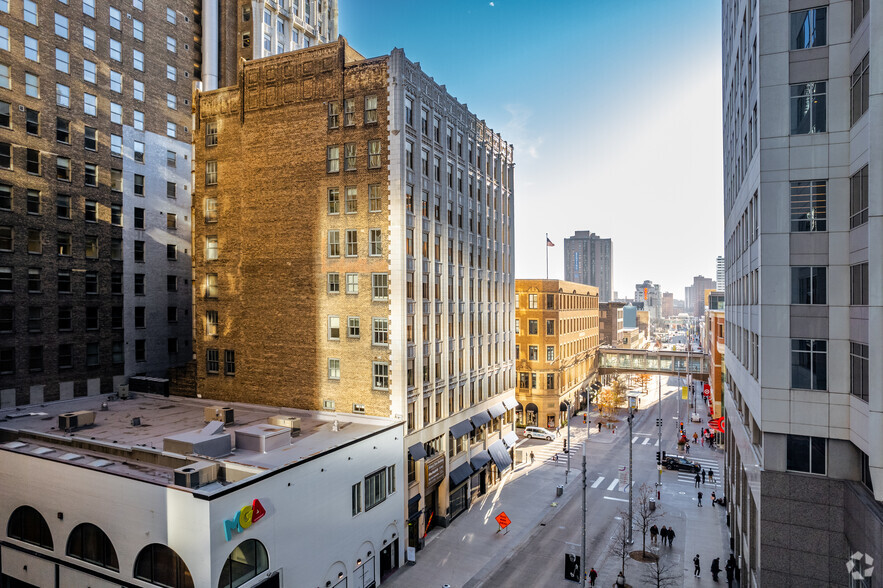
503,520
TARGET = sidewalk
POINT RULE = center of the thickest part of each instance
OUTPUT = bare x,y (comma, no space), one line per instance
472,546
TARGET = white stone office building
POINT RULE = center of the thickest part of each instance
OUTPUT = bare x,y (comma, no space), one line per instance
804,327
90,498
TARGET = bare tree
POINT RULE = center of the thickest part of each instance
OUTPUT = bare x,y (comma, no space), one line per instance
661,574
645,516
619,545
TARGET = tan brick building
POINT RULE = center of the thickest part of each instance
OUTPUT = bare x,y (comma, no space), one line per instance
557,339
353,253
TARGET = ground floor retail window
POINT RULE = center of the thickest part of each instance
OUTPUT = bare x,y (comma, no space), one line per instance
160,565
244,563
459,500
363,576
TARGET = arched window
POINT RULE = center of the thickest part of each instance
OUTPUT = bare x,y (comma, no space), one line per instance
160,565
26,524
89,543
244,563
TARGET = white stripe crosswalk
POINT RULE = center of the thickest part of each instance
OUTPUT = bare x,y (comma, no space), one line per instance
647,441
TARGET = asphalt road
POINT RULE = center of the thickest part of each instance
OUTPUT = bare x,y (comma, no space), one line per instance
539,561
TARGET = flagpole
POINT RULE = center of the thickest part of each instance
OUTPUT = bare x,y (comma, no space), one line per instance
547,256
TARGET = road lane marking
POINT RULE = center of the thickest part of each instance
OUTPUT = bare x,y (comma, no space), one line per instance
598,482
635,440
612,485
646,441
616,499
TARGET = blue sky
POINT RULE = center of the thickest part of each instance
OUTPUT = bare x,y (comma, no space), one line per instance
613,107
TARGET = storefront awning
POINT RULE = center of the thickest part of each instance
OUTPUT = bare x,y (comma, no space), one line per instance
480,459
417,451
510,439
462,428
510,403
460,474
480,419
496,410
500,455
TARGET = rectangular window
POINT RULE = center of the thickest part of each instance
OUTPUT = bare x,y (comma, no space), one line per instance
374,154
32,49
211,323
550,327
35,358
212,363
63,206
333,115
859,10
374,198
116,145
806,454
334,328
90,177
89,38
370,109
858,198
333,283
858,287
809,364
333,368
381,376
138,59
380,331
90,104
859,370
211,247
6,279
6,157
532,353
32,161
532,327
32,82
64,282
349,156
139,285
353,327
171,252
5,121
375,244
35,281
211,285
211,173
229,362
62,61
349,112
809,28
357,496
859,92
91,247
91,282
138,90
352,242
334,243
809,205
33,202
333,159
171,44
138,184
171,101
90,71
379,286
90,213
550,353
808,110
809,285
351,204
115,17
352,283
138,151
116,50
62,95
532,301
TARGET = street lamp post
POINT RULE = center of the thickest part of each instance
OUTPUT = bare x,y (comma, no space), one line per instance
631,485
659,441
585,448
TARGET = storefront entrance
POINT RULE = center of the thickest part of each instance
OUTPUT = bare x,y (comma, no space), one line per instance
389,560
429,513
458,500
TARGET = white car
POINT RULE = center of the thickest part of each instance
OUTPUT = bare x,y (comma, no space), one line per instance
539,433
695,418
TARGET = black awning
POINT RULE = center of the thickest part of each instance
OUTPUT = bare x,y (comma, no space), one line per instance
496,410
510,439
460,474
510,403
417,451
500,455
480,419
480,459
462,428
414,504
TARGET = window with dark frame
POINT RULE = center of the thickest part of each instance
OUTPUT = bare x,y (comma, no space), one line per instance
858,198
859,370
806,454
809,285
859,90
809,206
809,364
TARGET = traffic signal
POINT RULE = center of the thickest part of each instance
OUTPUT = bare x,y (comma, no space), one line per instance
584,418
660,458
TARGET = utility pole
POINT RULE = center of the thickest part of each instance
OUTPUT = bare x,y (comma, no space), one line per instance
659,442
569,414
631,485
585,448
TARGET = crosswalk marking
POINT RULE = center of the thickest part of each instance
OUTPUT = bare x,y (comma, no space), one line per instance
646,441
598,482
612,485
635,440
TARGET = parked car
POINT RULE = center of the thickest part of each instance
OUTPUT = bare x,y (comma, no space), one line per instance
673,462
539,433
695,417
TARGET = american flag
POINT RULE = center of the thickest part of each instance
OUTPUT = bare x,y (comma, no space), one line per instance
549,242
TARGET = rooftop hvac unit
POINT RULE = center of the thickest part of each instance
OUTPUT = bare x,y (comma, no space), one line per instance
290,422
219,413
123,391
196,474
74,420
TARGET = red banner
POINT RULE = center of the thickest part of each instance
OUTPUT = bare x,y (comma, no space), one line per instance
717,424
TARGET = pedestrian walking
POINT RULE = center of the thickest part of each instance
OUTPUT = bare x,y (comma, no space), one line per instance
687,448
696,568
620,581
654,531
695,436
531,457
703,440
713,499
555,457
697,480
711,475
614,429
730,569
703,477
671,535
565,446
699,495
715,568
599,427
593,575
663,534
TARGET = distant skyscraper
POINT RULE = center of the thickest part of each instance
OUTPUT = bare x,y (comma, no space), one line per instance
720,276
650,294
695,295
588,259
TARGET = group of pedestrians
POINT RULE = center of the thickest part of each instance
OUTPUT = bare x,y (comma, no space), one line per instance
730,568
665,534
702,474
